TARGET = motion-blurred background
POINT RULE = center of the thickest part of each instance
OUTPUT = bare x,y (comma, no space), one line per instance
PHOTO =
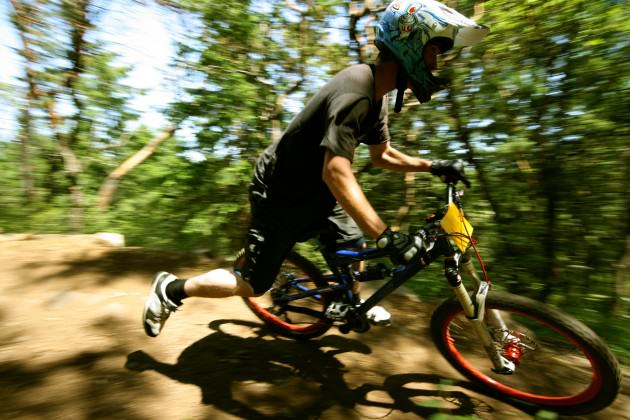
144,118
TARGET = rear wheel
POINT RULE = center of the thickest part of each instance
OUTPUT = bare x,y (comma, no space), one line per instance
561,365
300,318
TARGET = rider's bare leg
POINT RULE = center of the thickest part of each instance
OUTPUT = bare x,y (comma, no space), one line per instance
216,284
377,314
167,292
358,266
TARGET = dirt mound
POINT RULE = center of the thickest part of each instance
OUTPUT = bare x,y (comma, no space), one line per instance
72,346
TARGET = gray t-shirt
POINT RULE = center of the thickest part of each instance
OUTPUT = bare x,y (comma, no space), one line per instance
339,117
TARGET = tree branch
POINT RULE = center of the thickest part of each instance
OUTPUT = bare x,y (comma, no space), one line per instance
109,186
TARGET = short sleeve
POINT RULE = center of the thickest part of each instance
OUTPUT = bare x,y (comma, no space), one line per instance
346,116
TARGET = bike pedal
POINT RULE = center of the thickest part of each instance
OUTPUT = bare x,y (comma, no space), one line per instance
337,311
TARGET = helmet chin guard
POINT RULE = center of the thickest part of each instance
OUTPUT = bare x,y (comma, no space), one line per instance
423,92
401,86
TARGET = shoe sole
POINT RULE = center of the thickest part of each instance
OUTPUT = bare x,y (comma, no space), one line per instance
147,329
380,323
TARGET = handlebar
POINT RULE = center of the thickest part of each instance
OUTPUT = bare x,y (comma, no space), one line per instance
435,244
452,195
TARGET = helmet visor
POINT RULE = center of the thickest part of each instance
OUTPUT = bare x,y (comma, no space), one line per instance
470,35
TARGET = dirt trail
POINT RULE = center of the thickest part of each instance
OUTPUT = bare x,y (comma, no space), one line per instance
72,347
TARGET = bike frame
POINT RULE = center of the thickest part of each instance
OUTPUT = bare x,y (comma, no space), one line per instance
341,262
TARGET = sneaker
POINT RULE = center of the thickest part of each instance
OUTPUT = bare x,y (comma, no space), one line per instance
157,307
377,315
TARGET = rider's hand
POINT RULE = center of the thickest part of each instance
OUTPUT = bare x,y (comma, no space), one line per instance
450,170
403,248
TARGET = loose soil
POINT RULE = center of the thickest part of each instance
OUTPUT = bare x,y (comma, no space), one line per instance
72,347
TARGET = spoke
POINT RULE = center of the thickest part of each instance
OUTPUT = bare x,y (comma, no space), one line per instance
553,366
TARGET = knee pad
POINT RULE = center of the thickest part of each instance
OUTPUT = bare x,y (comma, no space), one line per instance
259,287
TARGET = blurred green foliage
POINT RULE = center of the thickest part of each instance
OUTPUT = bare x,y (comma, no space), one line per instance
540,110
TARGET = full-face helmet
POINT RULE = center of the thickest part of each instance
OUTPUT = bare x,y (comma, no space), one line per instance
405,29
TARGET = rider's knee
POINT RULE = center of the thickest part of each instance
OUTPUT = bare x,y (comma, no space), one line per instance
247,287
257,289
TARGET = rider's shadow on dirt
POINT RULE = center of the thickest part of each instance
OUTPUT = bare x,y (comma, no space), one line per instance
270,377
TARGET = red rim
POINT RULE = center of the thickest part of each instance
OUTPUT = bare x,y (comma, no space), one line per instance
584,396
306,329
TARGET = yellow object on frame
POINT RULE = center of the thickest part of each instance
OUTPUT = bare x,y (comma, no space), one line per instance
455,223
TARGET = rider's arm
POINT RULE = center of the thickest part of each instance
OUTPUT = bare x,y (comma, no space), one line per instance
338,176
383,155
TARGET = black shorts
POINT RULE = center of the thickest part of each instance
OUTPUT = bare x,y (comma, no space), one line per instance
274,230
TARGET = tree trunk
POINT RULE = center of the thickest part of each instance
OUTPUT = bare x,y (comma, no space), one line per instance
20,22
549,271
72,168
109,186
300,65
360,44
622,289
25,153
402,220
464,136
76,16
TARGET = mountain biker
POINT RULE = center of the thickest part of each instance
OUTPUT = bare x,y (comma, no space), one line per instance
304,182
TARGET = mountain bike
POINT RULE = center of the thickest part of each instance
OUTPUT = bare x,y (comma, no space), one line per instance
513,347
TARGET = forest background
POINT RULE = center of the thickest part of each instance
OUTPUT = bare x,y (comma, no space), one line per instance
540,111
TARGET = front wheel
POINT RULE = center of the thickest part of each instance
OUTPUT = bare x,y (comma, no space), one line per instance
301,318
561,365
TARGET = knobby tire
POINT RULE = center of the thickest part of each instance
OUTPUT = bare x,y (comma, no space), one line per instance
543,374
299,319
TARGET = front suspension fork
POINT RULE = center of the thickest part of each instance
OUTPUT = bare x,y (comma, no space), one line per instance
475,310
494,316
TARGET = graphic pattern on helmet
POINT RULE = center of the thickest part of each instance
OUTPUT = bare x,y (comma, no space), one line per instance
407,25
